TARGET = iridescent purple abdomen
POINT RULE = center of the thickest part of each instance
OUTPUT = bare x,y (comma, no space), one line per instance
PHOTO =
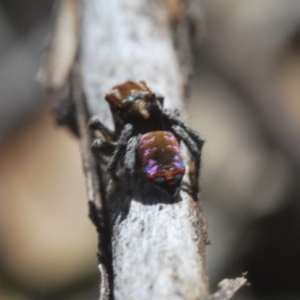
160,158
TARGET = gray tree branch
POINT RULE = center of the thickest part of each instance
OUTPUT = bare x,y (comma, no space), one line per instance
158,248
149,247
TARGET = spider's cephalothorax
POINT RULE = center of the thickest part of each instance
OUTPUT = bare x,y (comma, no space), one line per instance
136,104
143,127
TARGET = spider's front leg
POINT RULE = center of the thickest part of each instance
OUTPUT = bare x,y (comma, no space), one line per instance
103,147
96,124
125,135
130,160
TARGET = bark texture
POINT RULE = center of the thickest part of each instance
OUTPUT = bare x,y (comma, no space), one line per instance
151,246
157,245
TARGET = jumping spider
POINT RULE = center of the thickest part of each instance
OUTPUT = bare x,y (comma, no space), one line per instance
142,127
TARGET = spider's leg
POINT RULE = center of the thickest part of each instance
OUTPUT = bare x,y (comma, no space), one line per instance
130,160
96,124
130,155
194,168
171,113
190,143
173,116
103,147
194,135
125,135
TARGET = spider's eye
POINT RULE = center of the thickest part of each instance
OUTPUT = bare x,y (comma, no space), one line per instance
158,180
131,98
134,97
178,177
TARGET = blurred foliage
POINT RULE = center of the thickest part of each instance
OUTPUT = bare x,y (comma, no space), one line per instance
24,17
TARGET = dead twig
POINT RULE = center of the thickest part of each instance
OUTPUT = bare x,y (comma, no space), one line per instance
149,247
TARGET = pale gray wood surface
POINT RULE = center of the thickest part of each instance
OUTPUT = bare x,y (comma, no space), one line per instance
157,246
150,246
